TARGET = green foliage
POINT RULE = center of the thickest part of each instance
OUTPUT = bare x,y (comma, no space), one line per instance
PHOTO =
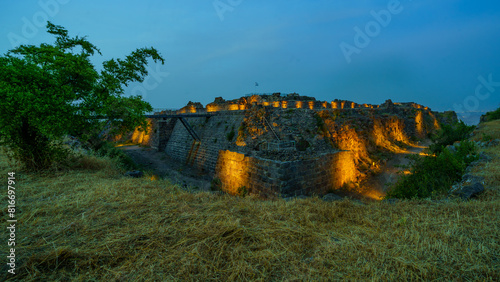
493,115
49,91
242,191
123,160
321,125
432,176
448,135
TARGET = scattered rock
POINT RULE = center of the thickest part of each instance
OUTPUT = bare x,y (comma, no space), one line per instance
134,174
469,191
452,149
469,178
470,186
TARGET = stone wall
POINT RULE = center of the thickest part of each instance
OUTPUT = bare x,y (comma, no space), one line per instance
213,132
337,140
271,179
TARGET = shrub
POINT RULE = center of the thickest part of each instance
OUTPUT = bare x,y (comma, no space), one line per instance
493,115
120,157
432,176
242,191
448,135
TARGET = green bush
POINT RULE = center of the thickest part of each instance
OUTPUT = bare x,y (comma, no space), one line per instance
123,160
242,191
448,135
493,115
432,176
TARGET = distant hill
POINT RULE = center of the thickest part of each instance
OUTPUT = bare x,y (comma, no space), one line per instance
470,118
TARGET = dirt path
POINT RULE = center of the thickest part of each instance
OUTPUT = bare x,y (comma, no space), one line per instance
164,166
389,175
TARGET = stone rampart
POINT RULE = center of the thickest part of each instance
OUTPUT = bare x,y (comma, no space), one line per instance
334,141
272,178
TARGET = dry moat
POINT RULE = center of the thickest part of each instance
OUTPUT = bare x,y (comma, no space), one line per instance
283,146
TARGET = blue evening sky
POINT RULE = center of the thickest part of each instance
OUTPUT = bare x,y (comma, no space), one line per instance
430,52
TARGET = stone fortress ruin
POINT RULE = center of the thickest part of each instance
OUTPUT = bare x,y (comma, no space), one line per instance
290,145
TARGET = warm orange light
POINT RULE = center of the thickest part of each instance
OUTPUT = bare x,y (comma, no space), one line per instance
335,105
419,122
436,123
242,107
266,104
374,194
311,105
390,130
342,104
284,104
234,107
140,137
232,171
137,136
324,104
276,104
212,108
344,169
117,138
353,105
192,109
298,104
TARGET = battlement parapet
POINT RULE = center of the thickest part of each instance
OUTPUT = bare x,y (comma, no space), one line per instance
288,101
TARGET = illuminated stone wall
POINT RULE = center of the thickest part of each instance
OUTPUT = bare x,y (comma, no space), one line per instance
271,179
358,130
213,133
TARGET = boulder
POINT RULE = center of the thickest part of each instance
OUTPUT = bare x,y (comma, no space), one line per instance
468,191
470,186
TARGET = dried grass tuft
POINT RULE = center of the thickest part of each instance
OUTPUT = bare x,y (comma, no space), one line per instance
90,224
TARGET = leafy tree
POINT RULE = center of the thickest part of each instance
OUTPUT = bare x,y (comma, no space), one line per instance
49,91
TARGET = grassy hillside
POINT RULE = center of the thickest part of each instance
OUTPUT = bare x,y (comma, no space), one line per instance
92,224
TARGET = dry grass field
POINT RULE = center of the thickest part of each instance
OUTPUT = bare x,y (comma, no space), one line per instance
92,224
